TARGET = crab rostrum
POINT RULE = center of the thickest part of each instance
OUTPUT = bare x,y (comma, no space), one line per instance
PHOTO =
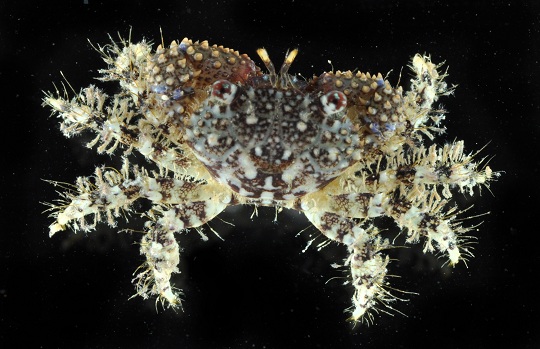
343,148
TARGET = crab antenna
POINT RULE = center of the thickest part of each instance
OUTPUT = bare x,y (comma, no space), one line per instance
284,78
268,63
289,58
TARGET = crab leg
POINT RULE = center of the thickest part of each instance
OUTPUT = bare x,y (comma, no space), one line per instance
367,263
115,125
420,214
161,249
183,204
111,191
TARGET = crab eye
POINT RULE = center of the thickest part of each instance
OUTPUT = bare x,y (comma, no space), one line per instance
333,102
224,90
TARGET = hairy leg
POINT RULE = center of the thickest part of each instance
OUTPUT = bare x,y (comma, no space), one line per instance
179,204
366,261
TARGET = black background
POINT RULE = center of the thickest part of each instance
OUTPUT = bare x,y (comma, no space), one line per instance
257,289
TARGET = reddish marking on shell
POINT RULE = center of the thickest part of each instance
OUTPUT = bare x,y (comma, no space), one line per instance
222,89
335,101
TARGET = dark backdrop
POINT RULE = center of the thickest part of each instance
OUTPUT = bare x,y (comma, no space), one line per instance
257,289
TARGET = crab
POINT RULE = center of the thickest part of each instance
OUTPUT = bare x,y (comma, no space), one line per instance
343,148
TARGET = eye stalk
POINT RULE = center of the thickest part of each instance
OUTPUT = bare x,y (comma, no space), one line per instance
224,90
333,102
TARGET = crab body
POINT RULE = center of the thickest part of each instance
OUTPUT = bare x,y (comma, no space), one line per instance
343,148
269,143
